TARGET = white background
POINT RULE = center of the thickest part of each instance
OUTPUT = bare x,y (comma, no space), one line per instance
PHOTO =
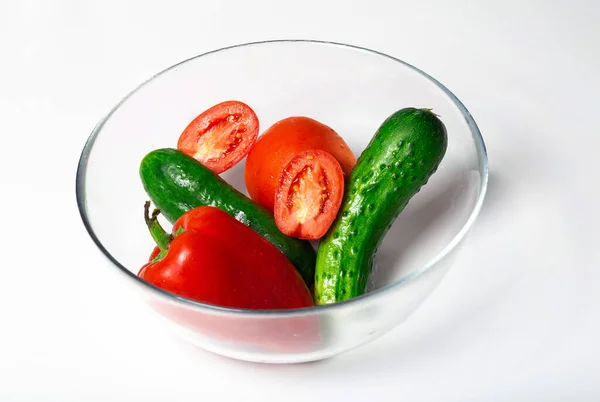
516,319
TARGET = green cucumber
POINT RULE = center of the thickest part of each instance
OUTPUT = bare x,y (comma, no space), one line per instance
177,183
405,151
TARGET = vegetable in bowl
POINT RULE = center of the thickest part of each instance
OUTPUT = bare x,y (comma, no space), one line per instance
305,184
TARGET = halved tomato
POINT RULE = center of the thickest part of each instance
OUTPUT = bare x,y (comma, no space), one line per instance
309,194
221,136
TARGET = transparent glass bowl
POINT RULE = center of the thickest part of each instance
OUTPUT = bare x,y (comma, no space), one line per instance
351,89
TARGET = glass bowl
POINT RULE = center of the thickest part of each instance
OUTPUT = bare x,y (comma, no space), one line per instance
351,89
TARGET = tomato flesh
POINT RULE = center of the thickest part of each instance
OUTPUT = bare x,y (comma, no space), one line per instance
309,192
221,136
219,139
309,195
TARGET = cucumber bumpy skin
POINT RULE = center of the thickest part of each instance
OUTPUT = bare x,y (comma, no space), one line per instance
177,183
405,151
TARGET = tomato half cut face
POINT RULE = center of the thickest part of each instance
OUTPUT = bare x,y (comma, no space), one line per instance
309,195
221,136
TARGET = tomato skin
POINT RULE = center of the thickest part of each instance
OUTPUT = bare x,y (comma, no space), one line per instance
279,144
309,195
221,136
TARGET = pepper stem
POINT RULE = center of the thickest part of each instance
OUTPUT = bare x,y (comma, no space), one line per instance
160,236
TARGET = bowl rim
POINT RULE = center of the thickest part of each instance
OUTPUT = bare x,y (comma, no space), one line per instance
316,309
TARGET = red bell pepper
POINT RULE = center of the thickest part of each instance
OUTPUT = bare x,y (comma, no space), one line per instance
213,258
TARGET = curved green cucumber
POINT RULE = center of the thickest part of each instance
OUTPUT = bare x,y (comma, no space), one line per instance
177,183
405,151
